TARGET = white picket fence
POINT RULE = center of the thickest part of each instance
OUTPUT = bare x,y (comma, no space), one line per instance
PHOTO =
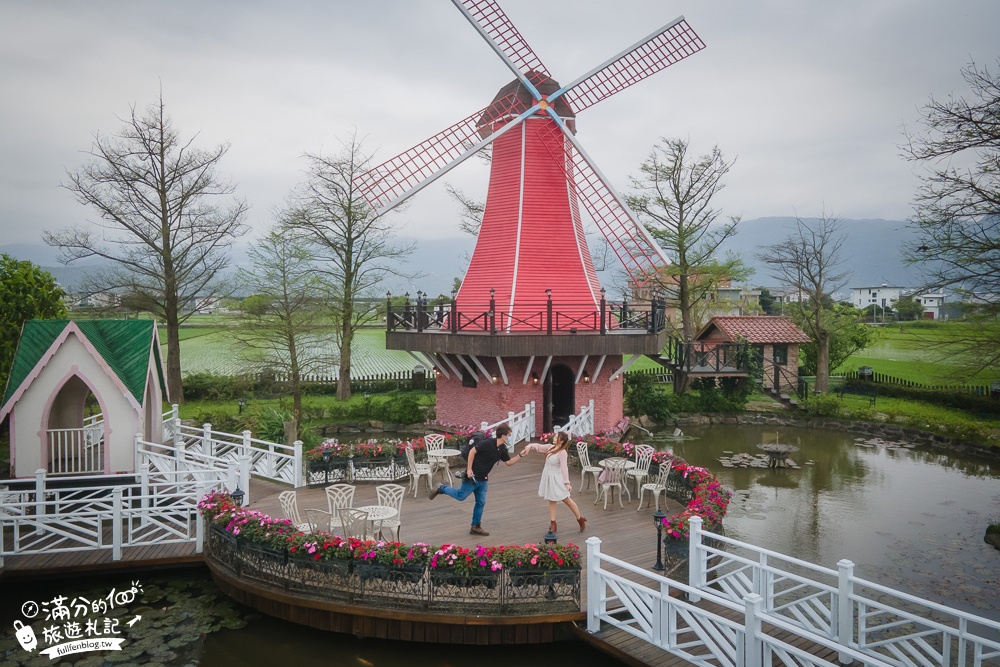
862,621
582,423
522,425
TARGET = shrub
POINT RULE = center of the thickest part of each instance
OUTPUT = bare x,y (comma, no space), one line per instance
822,405
212,387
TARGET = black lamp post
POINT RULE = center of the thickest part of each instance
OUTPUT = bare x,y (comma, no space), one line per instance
238,496
551,537
326,466
658,518
241,402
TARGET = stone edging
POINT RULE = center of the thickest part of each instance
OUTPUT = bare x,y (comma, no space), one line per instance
877,429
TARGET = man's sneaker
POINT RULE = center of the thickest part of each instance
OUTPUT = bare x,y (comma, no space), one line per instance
434,494
478,530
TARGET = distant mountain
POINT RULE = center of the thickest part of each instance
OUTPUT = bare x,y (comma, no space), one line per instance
872,252
872,255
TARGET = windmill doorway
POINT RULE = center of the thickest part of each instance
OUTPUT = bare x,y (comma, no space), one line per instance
560,396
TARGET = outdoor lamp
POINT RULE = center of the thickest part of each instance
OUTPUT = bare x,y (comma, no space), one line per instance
551,537
658,517
534,378
326,456
238,496
586,376
241,402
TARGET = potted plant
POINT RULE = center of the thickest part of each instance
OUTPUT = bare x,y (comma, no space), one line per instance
331,459
391,561
454,565
544,564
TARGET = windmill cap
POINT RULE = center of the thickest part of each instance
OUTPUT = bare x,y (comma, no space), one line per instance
514,98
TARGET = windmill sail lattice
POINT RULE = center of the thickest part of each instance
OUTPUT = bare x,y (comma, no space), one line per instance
531,238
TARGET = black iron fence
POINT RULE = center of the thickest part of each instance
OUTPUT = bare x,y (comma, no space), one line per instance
535,317
706,356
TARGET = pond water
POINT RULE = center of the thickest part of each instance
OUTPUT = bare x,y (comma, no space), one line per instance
909,518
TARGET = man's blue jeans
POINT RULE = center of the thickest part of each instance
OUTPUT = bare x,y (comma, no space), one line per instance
476,488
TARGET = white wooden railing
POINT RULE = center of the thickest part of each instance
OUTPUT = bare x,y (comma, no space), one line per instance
270,460
77,450
93,512
522,425
862,620
582,423
652,607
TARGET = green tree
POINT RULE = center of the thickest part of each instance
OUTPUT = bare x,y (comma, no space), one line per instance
282,323
908,308
673,198
849,333
957,209
354,246
766,301
26,293
166,222
809,260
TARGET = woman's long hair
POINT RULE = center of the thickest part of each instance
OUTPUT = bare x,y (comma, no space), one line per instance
560,442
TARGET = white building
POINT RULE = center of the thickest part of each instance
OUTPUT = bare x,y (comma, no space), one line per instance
883,296
932,302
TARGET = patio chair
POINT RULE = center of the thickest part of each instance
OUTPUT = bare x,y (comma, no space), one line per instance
585,467
391,495
418,470
656,486
290,507
435,442
319,520
643,457
338,496
354,522
614,478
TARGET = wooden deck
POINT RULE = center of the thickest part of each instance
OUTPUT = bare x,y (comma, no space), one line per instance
515,514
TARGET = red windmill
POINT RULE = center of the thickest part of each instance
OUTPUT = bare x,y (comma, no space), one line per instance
531,272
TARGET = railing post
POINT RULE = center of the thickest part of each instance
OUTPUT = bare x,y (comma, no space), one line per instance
595,604
116,523
844,615
696,560
453,315
244,476
388,311
753,647
604,306
297,475
482,426
178,439
530,408
144,492
548,311
206,440
199,522
493,312
40,499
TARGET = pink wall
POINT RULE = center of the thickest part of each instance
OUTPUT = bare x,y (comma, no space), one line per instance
464,406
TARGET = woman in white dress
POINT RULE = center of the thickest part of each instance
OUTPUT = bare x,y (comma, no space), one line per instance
554,484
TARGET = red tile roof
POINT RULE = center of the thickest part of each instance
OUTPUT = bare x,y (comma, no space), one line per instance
756,329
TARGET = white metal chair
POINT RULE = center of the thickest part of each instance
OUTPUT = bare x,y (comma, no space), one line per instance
417,471
585,467
391,495
435,442
614,478
656,486
643,457
353,522
290,507
319,520
338,496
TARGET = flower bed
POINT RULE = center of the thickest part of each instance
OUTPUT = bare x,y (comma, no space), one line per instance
450,578
364,461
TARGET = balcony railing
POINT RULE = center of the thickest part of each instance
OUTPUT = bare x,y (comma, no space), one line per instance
706,356
544,317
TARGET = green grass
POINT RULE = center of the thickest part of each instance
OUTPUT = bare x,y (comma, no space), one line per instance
919,352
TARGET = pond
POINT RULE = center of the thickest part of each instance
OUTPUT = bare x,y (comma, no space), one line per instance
909,518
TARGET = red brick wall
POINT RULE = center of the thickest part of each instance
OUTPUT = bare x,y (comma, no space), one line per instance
489,402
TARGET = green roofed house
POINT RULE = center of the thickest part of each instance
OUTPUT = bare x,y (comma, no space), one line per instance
78,393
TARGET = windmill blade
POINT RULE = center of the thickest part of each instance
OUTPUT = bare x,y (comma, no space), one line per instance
657,51
499,31
394,180
635,247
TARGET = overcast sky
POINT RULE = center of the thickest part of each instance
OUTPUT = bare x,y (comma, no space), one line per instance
810,97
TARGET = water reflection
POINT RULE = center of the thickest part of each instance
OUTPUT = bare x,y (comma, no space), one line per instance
909,518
